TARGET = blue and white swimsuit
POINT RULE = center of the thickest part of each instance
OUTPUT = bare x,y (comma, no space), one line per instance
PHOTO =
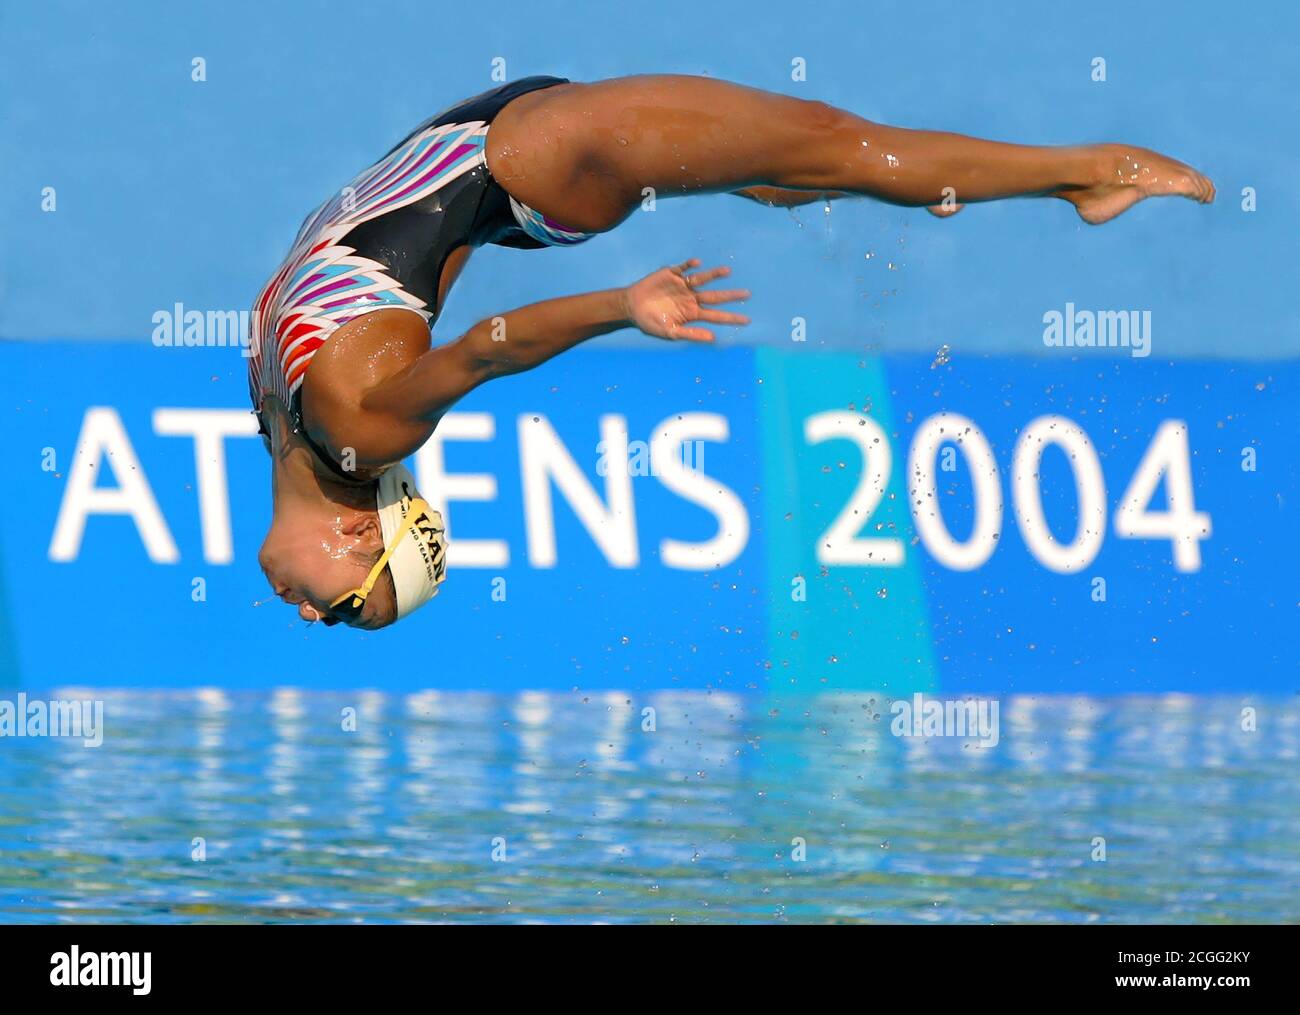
382,241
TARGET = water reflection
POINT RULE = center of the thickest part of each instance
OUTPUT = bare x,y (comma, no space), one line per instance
673,805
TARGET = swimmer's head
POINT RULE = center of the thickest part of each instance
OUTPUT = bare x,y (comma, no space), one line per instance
356,564
415,540
311,560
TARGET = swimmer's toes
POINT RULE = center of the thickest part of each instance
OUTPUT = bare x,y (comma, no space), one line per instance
1182,182
1158,176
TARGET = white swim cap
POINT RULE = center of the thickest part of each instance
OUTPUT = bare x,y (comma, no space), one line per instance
419,562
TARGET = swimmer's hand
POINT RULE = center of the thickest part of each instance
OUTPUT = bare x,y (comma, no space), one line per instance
665,304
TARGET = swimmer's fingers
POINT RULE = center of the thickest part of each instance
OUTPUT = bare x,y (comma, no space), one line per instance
722,295
685,333
722,317
681,269
708,275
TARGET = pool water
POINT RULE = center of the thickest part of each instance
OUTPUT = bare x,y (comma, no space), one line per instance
304,806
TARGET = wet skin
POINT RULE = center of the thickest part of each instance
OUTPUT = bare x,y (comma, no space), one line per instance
583,154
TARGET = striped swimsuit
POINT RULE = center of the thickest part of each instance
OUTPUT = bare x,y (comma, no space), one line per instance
381,242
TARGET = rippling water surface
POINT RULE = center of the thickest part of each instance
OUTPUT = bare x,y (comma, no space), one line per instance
564,807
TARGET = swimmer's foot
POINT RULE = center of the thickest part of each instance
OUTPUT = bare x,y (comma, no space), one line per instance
1126,175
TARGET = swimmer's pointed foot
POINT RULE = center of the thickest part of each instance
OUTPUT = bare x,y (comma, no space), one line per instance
944,211
1125,175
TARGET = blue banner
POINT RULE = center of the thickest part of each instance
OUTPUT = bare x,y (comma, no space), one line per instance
779,520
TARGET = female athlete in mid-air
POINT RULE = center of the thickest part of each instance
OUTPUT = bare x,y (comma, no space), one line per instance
345,381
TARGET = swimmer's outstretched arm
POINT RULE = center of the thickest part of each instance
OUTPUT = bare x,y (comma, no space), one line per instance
666,304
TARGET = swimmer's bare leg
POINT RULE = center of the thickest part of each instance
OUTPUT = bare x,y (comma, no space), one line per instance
779,197
584,154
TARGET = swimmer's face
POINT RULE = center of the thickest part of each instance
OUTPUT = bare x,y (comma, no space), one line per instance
311,564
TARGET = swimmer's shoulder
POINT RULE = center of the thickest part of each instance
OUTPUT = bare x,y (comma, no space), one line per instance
358,357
